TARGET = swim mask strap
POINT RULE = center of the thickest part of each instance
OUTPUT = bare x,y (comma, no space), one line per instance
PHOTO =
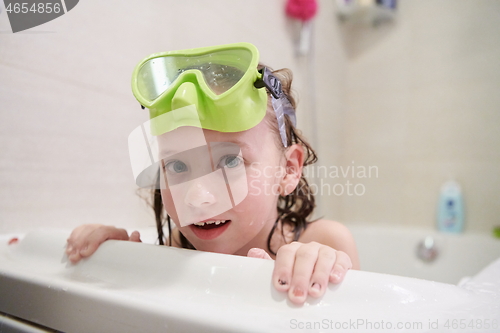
280,102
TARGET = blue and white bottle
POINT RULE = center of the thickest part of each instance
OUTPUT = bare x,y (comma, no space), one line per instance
451,208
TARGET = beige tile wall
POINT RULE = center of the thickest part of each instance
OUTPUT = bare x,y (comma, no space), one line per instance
423,104
417,98
66,106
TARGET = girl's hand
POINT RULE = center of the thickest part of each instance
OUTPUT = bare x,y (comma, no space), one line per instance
306,269
85,239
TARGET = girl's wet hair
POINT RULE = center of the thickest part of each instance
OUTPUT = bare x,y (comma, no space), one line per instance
293,209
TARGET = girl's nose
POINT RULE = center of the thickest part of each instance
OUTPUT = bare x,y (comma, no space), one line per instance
199,196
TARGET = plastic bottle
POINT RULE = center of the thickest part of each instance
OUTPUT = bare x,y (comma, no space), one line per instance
450,209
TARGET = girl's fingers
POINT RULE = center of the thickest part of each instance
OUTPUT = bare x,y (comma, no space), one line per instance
305,260
135,237
98,236
283,266
258,253
77,238
85,240
342,265
321,275
74,256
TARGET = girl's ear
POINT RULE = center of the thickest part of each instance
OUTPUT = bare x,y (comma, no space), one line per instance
293,170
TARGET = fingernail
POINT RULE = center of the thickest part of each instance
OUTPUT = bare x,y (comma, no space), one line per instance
282,282
84,249
298,292
336,276
316,287
69,249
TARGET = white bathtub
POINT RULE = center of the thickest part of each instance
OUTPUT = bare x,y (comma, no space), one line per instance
133,287
393,250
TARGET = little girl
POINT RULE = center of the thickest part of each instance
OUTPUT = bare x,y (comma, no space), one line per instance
224,161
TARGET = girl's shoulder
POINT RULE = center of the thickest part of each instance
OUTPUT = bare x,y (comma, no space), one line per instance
333,234
326,232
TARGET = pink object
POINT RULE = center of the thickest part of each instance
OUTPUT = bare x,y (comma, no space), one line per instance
13,240
303,10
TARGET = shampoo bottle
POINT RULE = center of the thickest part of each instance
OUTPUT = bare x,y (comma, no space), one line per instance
450,208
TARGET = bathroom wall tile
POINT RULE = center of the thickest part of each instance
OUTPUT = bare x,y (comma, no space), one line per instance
323,74
57,151
382,200
67,108
433,114
382,68
480,183
385,62
454,41
375,122
418,98
457,121
481,190
423,180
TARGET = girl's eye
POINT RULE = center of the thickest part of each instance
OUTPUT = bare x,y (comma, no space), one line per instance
230,161
176,166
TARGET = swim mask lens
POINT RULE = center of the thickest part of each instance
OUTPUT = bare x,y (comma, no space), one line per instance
221,70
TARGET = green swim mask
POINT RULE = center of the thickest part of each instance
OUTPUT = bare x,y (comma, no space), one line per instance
218,82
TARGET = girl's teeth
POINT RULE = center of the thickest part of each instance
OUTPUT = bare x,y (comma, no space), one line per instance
217,222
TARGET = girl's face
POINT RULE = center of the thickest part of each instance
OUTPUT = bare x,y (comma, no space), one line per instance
254,170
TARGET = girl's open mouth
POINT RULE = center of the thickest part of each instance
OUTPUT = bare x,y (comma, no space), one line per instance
211,224
210,229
